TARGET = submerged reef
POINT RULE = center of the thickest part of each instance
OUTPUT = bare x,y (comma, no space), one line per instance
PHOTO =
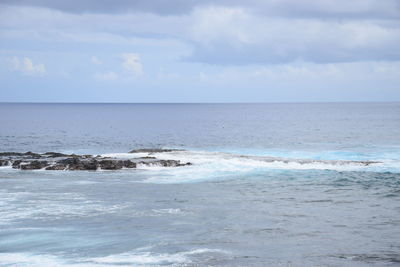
59,161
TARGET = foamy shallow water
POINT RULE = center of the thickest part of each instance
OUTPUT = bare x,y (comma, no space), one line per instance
225,210
210,165
134,258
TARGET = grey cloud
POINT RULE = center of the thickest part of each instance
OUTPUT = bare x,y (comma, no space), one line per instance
265,55
331,9
218,34
107,6
288,8
234,36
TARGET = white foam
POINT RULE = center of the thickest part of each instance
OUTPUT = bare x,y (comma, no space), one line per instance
168,211
19,259
125,155
150,258
143,258
7,168
211,165
23,205
134,258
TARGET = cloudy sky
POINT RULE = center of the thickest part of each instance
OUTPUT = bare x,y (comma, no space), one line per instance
199,51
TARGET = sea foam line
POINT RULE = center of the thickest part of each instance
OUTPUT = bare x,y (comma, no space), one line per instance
208,165
133,258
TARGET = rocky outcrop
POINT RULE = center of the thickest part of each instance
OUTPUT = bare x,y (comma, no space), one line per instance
55,155
77,164
58,161
4,162
109,164
16,164
56,167
33,165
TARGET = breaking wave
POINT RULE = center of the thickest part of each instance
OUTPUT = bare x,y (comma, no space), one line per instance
133,258
211,164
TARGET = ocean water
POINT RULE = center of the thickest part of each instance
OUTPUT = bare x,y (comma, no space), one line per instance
232,207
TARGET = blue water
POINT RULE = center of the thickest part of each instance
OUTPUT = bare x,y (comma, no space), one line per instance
230,208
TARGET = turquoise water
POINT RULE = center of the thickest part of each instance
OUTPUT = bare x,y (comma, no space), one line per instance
230,208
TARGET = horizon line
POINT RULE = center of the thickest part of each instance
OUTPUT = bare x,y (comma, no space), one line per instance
144,103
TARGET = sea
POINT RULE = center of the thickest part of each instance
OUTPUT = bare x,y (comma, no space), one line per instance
231,207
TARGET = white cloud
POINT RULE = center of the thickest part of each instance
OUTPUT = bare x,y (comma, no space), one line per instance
96,61
232,36
226,32
305,72
132,64
107,76
27,67
214,24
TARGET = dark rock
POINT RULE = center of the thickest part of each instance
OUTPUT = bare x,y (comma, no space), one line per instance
129,164
83,165
69,161
56,167
90,165
34,165
16,164
4,162
32,155
55,155
60,161
75,163
108,164
168,163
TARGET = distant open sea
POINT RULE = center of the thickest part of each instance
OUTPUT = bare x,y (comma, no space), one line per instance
230,208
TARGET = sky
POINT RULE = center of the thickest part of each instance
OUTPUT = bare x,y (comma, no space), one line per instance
169,51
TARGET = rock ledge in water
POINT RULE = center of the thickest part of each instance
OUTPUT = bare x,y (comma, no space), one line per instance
59,161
